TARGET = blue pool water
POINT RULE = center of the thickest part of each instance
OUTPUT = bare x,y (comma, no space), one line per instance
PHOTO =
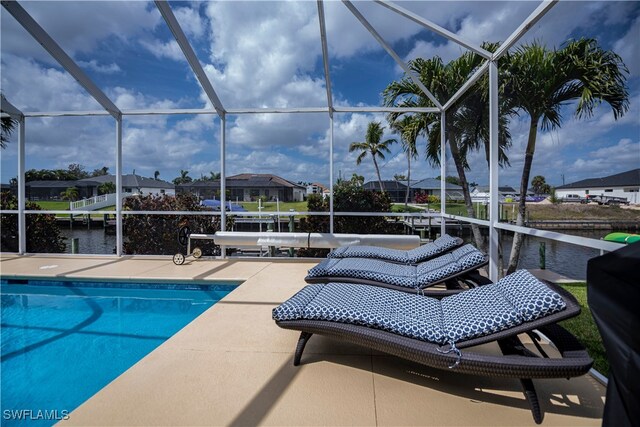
64,341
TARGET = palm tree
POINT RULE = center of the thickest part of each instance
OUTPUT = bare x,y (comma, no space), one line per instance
8,125
71,194
373,145
467,121
183,178
541,81
408,128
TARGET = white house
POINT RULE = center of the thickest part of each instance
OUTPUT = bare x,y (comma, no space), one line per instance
315,188
625,184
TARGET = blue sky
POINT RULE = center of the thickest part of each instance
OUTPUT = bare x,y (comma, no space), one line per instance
268,54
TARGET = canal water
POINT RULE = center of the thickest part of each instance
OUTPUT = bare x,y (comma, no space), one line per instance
563,258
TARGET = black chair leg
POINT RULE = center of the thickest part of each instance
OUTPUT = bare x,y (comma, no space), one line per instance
532,397
513,345
302,342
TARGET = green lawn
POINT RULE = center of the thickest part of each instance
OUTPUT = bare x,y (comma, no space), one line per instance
399,208
272,206
49,205
584,328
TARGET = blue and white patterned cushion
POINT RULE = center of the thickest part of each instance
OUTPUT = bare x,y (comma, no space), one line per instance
367,269
516,299
531,298
414,256
374,252
440,245
293,308
403,313
437,269
477,312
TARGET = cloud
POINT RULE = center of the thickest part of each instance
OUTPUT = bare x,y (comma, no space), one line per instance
160,49
627,47
104,69
623,156
93,22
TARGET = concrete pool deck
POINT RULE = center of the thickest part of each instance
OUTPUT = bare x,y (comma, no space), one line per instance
233,366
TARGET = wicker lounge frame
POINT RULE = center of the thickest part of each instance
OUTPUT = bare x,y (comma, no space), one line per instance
465,279
515,362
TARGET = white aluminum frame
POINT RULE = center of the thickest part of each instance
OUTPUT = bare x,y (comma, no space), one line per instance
16,10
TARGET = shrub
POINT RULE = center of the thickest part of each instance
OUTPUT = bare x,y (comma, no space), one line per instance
423,199
348,197
158,234
43,233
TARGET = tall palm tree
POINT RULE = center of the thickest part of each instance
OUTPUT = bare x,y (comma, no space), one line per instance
373,145
541,81
409,128
8,125
467,121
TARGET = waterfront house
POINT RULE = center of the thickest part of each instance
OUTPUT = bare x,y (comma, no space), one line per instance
625,184
431,187
247,187
316,188
396,190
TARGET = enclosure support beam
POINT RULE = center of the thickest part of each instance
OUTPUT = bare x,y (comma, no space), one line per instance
119,186
494,199
187,50
331,174
325,56
531,20
42,37
223,179
435,28
22,220
443,172
391,52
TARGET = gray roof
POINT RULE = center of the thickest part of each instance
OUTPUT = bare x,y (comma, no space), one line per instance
130,180
433,184
624,179
246,180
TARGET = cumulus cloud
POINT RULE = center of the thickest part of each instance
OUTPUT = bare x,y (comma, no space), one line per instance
160,49
100,68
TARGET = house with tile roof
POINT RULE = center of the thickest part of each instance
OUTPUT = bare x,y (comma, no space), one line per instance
247,187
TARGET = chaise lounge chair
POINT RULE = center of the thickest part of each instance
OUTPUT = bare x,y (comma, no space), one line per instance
455,269
440,333
438,247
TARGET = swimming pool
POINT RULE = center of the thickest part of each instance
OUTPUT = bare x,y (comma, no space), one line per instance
64,341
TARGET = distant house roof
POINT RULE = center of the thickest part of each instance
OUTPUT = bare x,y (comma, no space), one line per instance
624,179
245,180
433,184
388,185
259,180
131,180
